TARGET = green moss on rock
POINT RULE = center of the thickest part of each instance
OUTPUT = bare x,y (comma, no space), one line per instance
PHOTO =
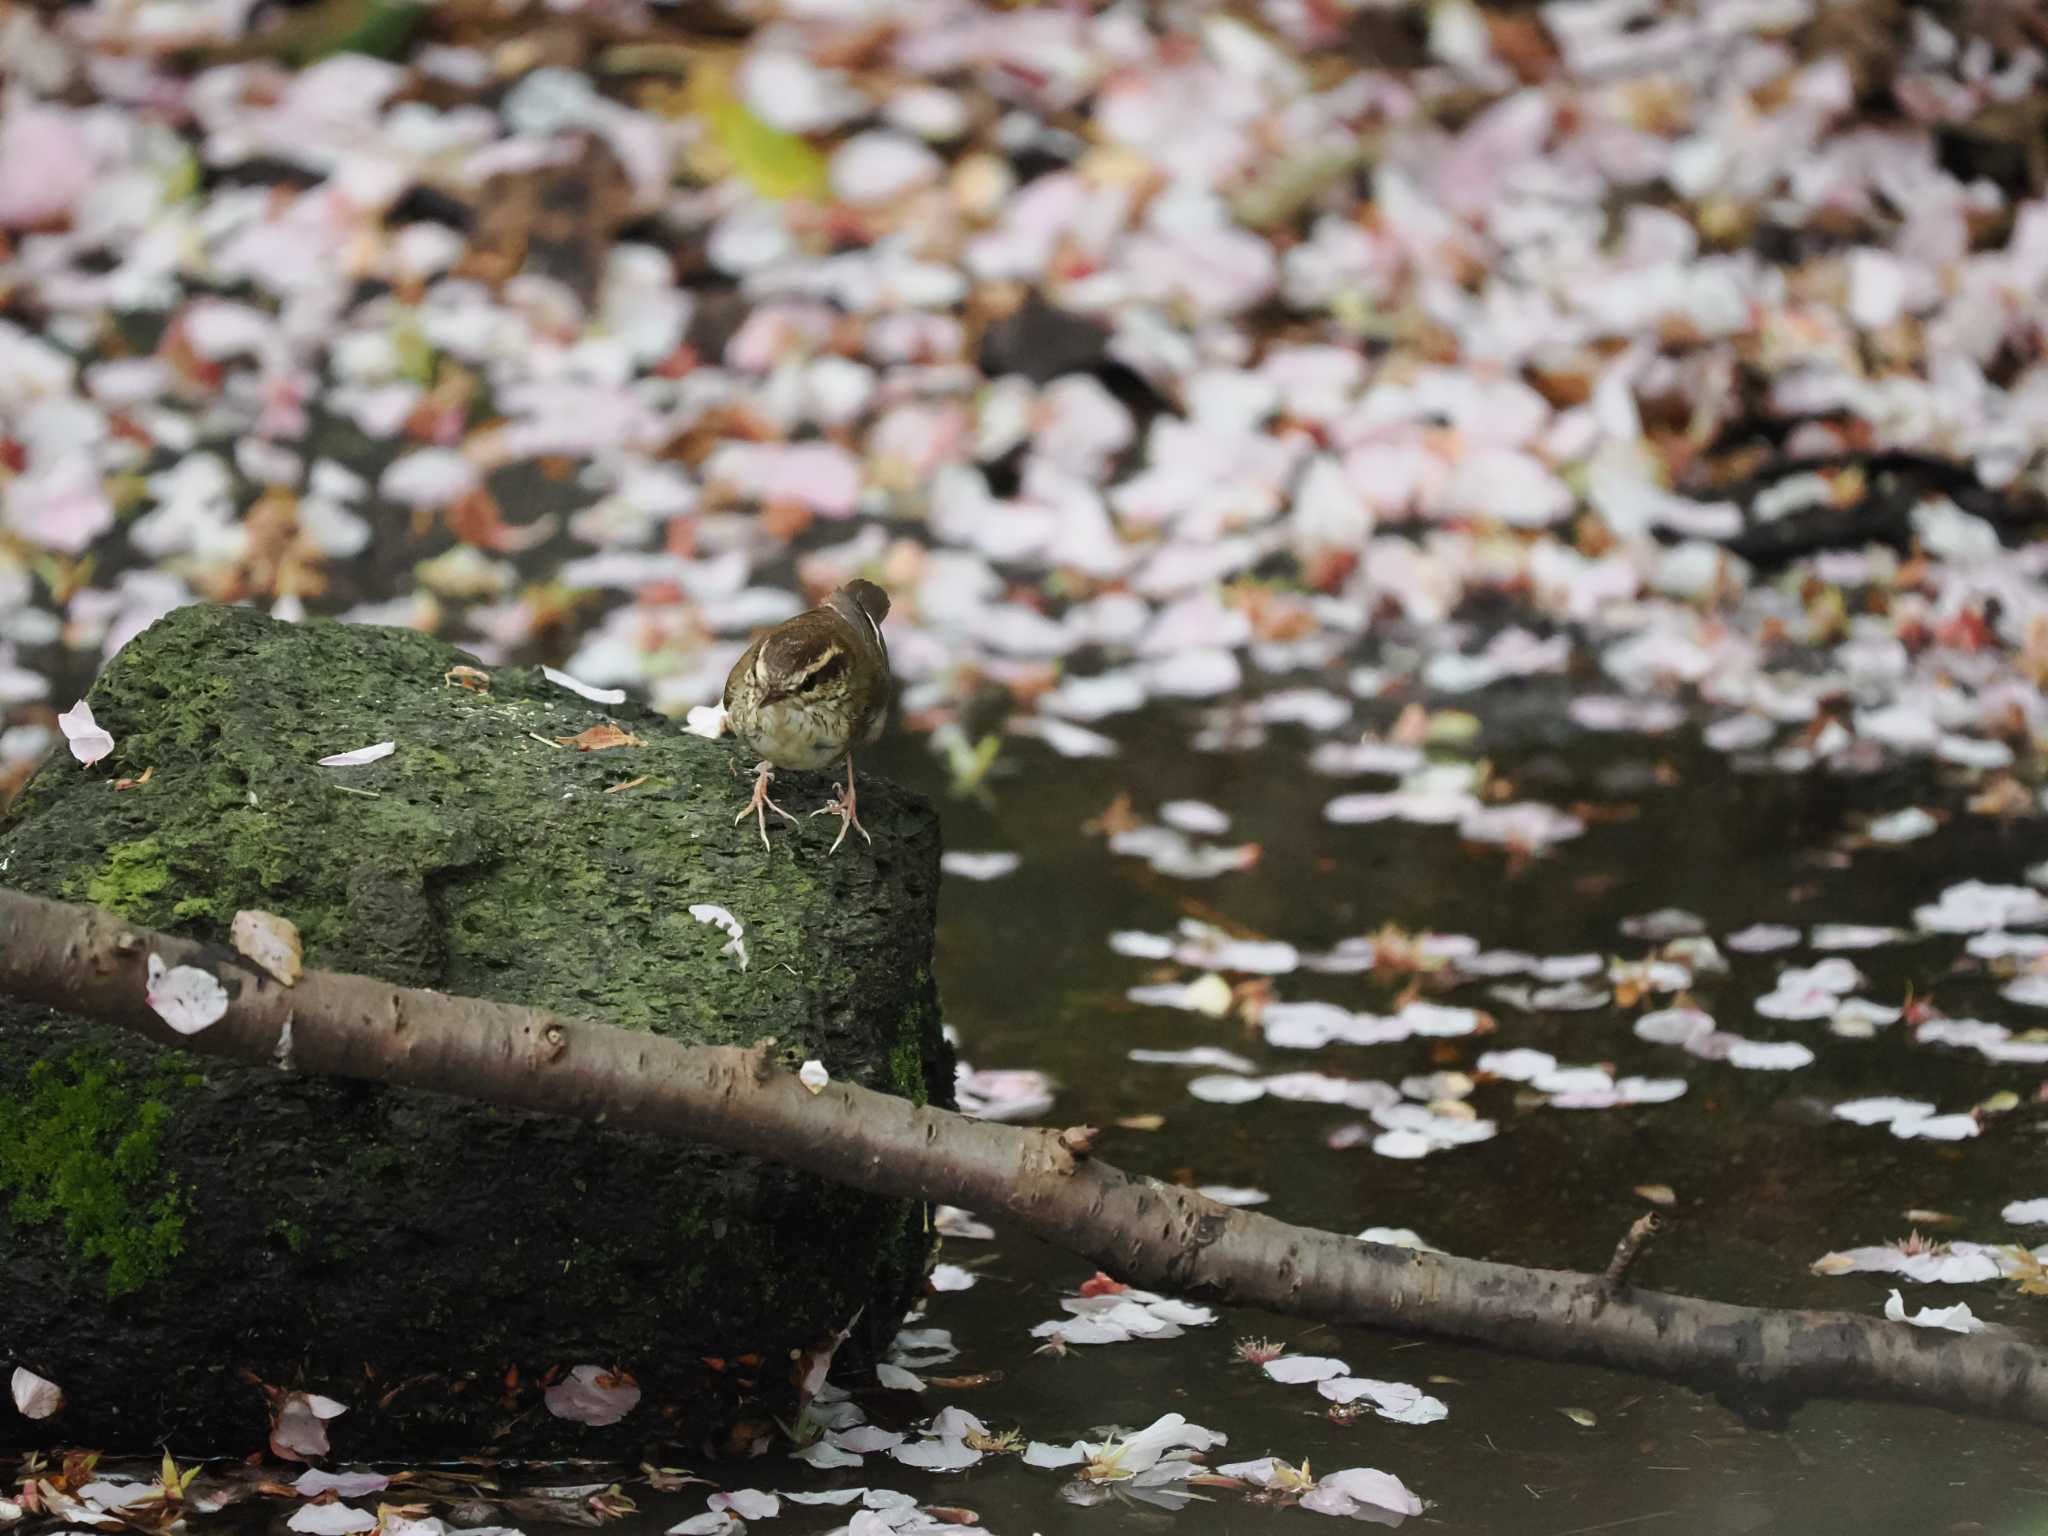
80,1148
356,1237
129,875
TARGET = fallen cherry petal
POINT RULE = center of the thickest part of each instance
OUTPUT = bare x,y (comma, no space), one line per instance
1956,1319
359,756
591,1395
584,690
185,997
88,741
35,1397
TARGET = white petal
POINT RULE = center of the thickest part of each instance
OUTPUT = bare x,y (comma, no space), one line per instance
955,1424
827,1496
34,1396
978,866
1298,1368
937,1455
1233,1194
1769,1055
331,1520
1402,1144
298,1432
350,1485
1224,1089
89,743
595,695
185,997
824,1455
1956,1319
1040,1454
1956,1127
1340,1493
592,1395
1882,1111
359,756
736,945
428,477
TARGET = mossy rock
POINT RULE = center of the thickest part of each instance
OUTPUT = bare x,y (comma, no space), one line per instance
176,1233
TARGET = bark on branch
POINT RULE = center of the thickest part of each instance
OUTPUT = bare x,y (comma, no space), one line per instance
84,961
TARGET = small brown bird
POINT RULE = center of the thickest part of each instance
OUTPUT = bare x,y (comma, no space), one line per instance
810,689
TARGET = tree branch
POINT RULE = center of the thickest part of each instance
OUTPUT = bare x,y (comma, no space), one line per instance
84,961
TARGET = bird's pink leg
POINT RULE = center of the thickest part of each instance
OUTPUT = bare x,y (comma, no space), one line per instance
843,807
761,805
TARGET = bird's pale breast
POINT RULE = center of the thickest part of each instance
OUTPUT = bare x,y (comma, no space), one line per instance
791,734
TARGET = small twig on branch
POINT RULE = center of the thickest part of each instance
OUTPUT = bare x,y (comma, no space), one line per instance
87,962
1632,1243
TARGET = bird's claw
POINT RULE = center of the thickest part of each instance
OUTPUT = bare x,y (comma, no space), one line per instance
761,805
842,807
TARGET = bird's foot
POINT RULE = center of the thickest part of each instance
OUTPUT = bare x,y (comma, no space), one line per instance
842,807
761,805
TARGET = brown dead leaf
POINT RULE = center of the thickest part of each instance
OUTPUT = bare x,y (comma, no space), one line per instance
1596,814
964,1383
1117,817
600,738
783,518
476,518
629,784
1563,387
270,941
671,1479
1411,726
137,783
442,413
2002,796
557,220
1250,997
1524,46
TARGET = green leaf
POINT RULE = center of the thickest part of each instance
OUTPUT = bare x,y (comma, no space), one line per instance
775,163
380,28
